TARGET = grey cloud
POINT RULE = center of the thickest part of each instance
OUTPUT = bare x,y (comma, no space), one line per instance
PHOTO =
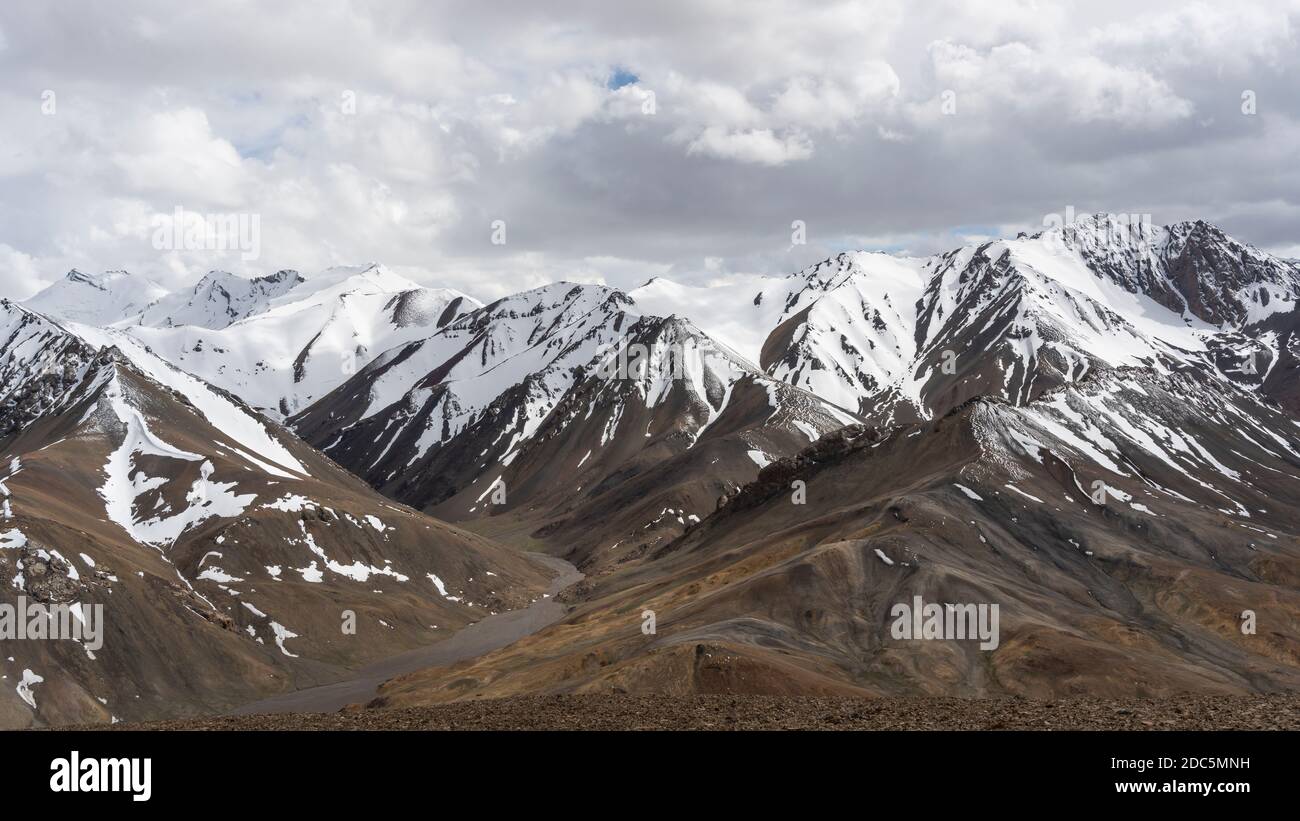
763,114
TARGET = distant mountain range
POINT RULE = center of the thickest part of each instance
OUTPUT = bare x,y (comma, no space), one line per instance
1097,427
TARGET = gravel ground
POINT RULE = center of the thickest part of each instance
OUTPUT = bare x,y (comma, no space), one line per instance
603,712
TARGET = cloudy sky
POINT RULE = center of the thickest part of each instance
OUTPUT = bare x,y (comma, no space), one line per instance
618,141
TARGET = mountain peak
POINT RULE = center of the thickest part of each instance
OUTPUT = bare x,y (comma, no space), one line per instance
283,274
100,281
218,299
1202,233
97,299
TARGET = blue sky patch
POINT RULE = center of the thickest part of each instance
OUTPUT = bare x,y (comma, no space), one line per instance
621,77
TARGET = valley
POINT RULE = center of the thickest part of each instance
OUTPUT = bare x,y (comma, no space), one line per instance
1093,430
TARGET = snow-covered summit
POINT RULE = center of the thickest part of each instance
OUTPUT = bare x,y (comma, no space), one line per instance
219,299
97,299
301,336
278,341
1009,318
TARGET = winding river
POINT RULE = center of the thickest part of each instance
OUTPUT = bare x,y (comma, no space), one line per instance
472,640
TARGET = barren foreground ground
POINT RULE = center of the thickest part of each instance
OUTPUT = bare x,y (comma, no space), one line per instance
599,712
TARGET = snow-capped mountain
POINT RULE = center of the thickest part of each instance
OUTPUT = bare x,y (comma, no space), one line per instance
565,380
1097,426
97,299
278,342
529,343
441,421
219,545
911,338
219,299
1125,524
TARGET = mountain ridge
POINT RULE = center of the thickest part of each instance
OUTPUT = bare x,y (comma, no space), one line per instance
1097,426
221,548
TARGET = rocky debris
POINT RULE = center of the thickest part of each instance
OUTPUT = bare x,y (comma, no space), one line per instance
45,576
575,592
37,390
191,600
312,513
550,529
778,476
221,620
725,712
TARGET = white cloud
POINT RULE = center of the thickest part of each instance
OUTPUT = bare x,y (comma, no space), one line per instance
763,112
826,104
759,146
710,104
175,154
18,272
1081,89
1234,37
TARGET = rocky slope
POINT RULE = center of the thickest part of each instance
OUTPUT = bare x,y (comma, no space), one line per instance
1094,428
1139,594
1111,455
227,555
735,712
565,414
